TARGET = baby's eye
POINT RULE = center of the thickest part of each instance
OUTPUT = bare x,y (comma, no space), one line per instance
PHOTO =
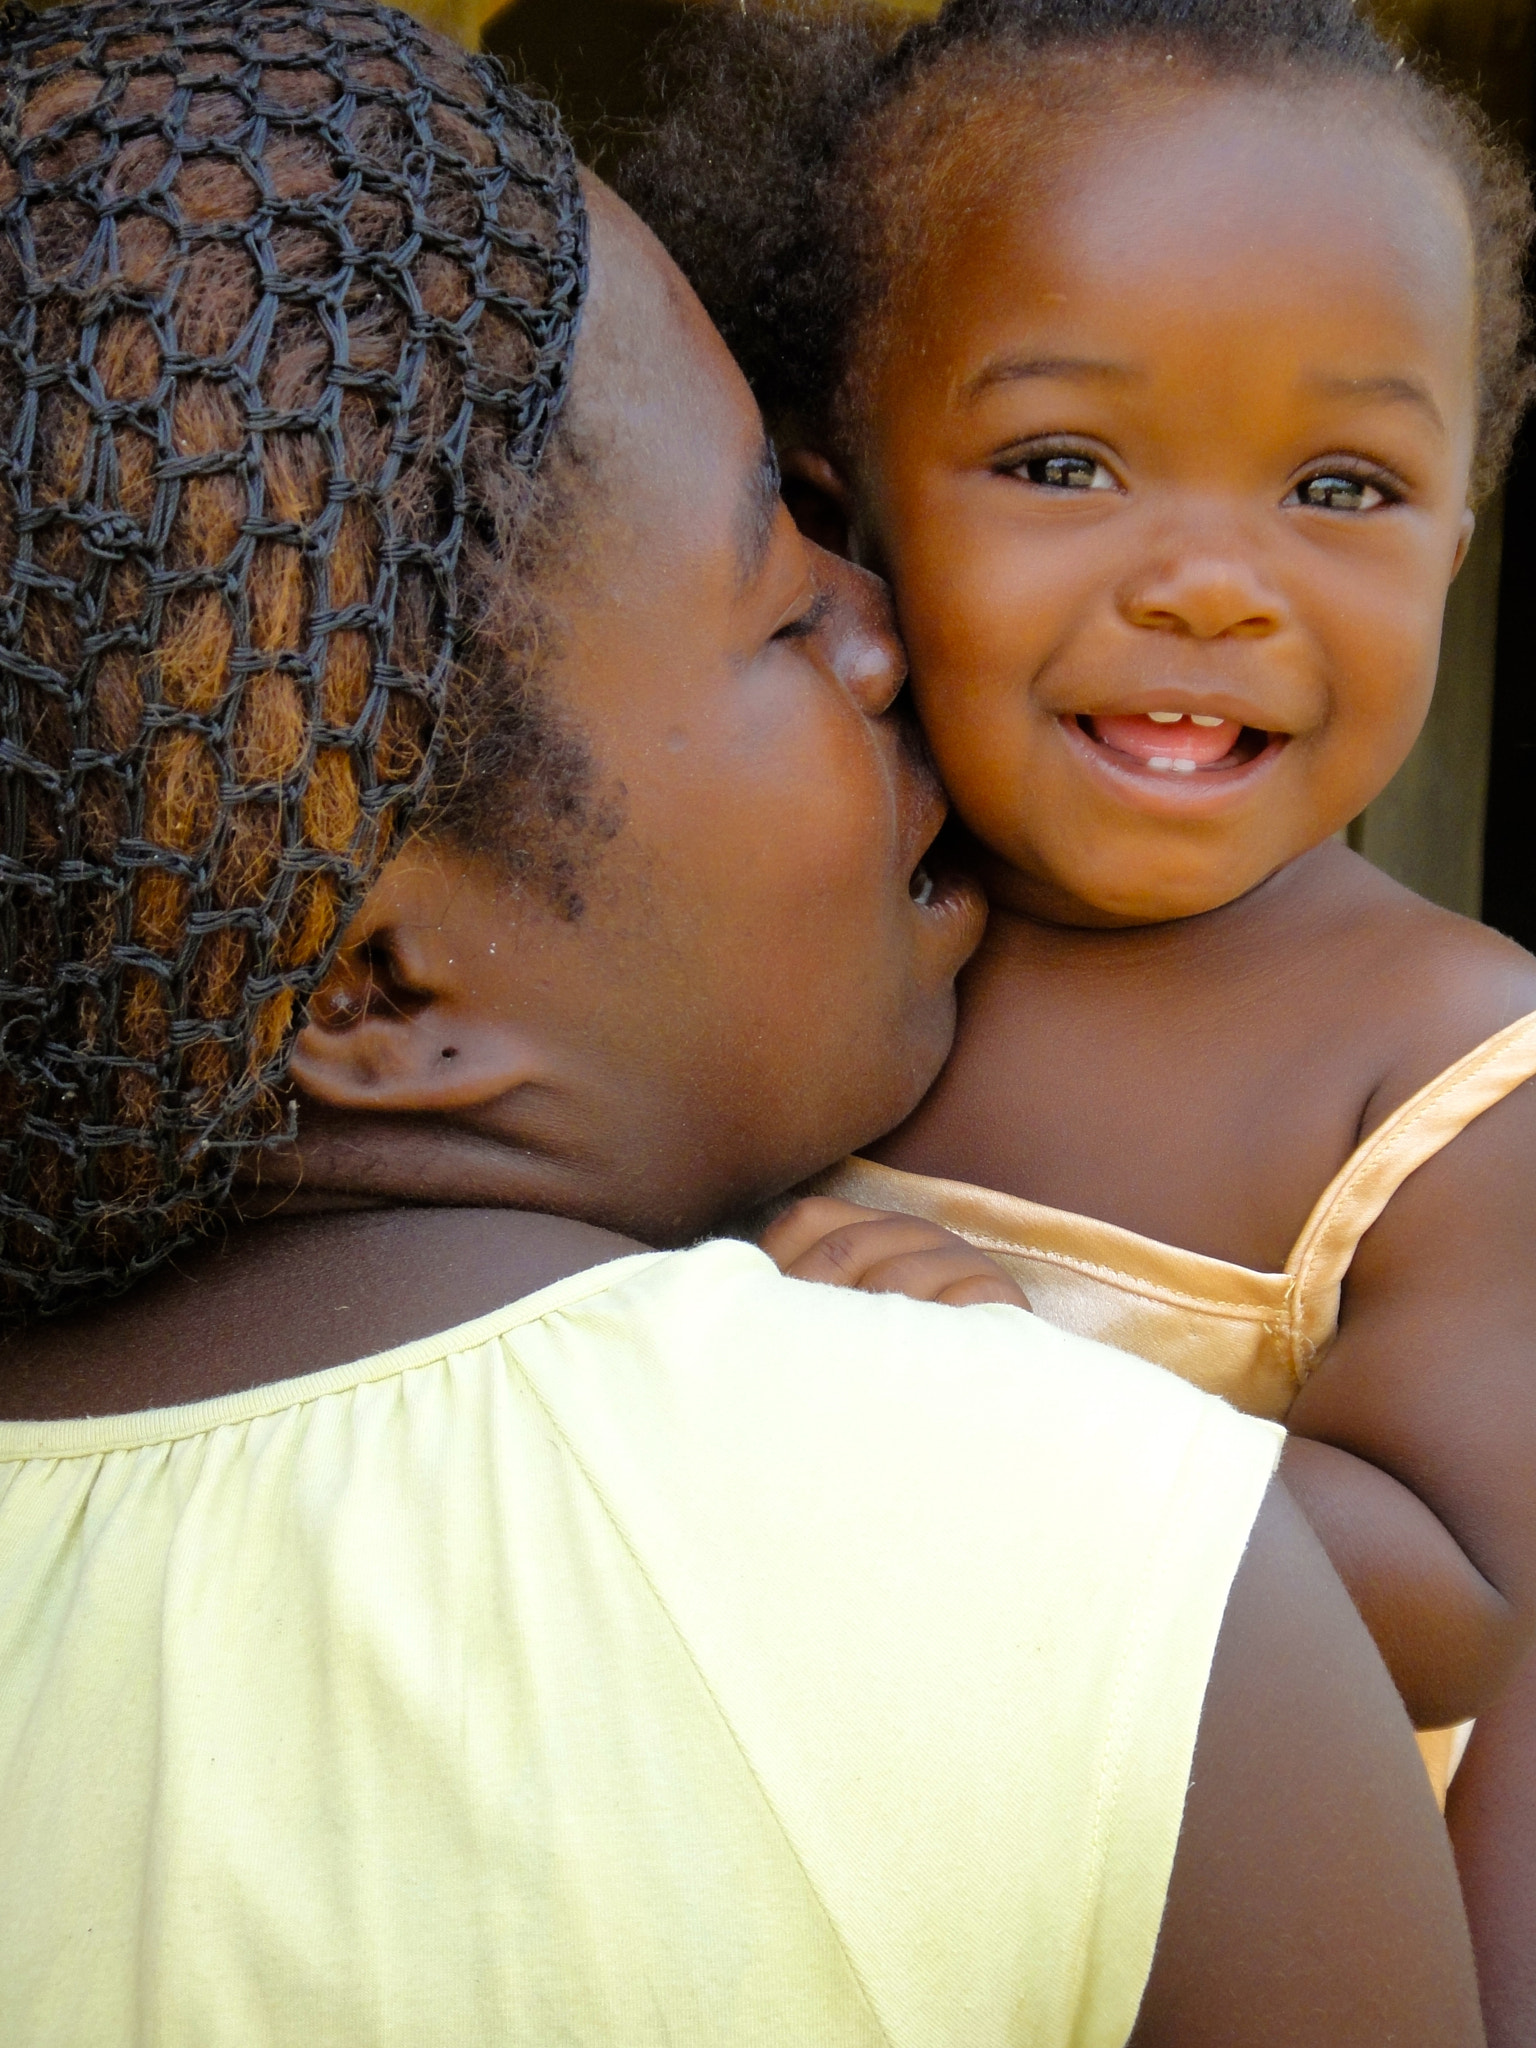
1331,491
1066,473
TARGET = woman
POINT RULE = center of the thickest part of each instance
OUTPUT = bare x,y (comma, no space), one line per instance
426,1614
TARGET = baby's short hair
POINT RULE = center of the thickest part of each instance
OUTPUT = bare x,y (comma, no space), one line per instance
790,174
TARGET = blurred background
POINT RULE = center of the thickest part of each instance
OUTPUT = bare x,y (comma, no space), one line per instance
1458,823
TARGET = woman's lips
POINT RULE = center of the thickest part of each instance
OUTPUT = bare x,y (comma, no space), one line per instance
949,903
934,885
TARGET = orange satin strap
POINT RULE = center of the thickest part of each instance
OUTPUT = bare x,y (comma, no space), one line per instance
1424,1125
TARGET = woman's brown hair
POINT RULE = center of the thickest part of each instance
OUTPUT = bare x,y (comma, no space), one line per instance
288,299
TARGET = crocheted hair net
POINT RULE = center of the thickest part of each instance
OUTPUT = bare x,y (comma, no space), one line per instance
288,293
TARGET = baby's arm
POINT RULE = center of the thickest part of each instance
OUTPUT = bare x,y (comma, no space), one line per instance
1414,1444
1492,1816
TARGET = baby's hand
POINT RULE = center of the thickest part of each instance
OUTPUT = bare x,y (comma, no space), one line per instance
843,1245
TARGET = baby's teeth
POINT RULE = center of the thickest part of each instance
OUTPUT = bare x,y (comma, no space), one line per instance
1165,717
1161,762
1167,764
1204,718
1185,767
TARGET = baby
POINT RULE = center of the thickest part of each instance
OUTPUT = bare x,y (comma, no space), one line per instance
1156,351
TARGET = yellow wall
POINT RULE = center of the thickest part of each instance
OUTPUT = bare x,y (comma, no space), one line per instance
462,19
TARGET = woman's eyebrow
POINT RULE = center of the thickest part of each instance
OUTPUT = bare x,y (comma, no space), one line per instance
757,514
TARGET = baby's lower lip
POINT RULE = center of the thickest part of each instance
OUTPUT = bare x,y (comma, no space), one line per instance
1171,746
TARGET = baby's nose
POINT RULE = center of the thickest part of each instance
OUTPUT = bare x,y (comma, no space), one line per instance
1210,595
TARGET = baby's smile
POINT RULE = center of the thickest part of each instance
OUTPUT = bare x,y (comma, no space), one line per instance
1173,762
1168,742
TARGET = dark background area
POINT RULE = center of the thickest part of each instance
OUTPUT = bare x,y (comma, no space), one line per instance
1510,842
1509,846
590,55
1490,47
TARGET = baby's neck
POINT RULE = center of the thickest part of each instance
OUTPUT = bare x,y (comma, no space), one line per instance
1198,1080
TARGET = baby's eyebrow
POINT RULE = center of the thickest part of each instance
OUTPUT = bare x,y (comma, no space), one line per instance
1390,390
1015,369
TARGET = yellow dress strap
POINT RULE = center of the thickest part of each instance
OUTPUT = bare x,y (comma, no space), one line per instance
1374,1172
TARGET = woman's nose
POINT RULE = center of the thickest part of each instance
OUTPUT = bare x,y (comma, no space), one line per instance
861,638
1207,594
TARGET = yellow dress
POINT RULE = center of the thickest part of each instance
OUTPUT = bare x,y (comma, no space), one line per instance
1251,1337
680,1655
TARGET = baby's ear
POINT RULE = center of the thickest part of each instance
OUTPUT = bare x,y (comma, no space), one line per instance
819,501
1468,523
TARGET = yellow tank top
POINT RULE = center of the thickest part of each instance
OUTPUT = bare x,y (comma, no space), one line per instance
682,1654
1249,1336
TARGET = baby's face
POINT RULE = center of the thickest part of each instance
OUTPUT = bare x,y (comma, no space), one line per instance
1168,466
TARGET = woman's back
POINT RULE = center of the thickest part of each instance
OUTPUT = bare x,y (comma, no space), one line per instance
624,1666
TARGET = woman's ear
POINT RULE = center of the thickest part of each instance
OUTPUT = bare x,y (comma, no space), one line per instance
407,1020
819,500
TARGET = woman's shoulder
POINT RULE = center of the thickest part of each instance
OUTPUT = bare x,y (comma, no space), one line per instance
788,1375
289,1297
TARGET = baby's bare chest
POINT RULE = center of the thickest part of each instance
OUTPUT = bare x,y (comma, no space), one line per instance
1206,1109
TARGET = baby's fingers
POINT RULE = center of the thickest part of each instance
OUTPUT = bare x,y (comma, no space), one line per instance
842,1245
846,1255
805,1224
954,1273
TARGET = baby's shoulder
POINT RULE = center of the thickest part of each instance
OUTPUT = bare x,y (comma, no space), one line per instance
1423,984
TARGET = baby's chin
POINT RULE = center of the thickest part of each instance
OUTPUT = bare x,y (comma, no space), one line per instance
1085,896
